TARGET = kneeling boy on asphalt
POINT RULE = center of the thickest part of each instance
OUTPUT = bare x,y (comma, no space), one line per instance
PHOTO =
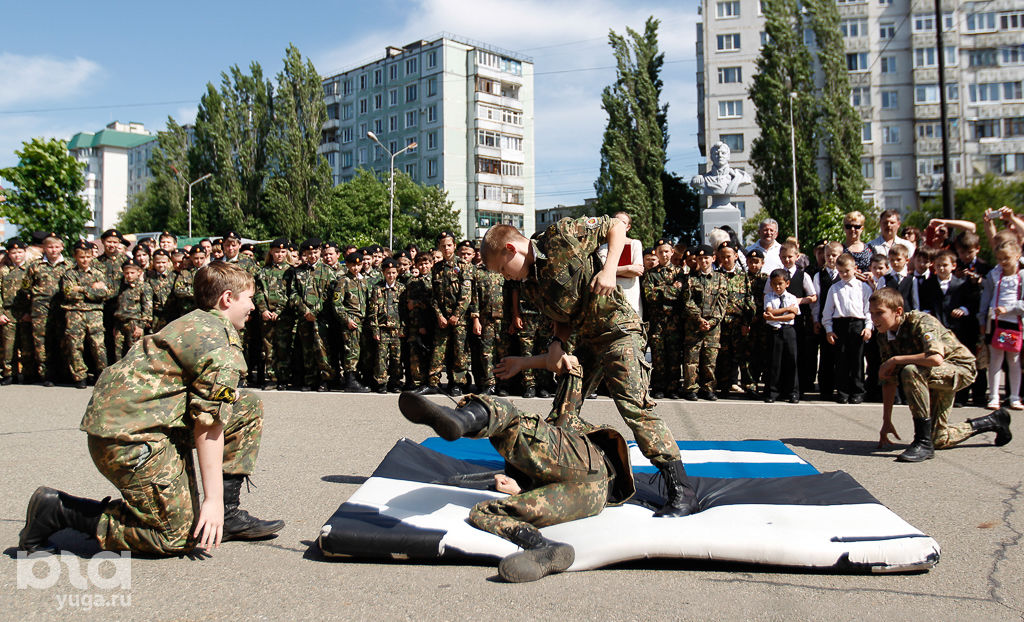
931,365
174,391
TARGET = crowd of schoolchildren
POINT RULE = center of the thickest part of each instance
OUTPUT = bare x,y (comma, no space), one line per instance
765,321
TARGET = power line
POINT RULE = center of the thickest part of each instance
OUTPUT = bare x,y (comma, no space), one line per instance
100,107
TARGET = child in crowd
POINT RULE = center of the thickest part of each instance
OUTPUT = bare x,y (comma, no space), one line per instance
387,327
756,352
973,269
134,312
801,286
912,287
881,276
847,326
1001,308
823,281
781,309
84,289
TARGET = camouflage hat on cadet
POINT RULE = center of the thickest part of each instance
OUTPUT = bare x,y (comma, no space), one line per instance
82,245
703,250
388,263
14,243
230,235
280,243
111,233
756,253
354,257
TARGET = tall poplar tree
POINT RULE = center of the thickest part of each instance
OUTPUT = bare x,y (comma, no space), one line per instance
635,139
163,204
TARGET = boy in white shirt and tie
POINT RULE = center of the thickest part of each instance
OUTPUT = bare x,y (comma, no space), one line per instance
848,326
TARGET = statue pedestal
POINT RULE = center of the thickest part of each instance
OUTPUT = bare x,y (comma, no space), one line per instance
718,217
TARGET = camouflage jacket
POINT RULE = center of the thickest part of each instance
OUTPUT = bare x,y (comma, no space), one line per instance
452,287
310,288
186,373
659,291
161,285
558,282
920,332
135,304
384,309
488,295
272,288
43,279
417,302
14,291
243,262
373,278
739,298
350,300
111,267
184,291
757,285
84,290
705,297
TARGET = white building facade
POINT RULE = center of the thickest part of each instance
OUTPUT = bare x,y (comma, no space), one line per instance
893,70
469,108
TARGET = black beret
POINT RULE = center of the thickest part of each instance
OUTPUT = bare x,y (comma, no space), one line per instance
38,237
83,245
703,250
648,251
662,242
280,243
727,244
132,263
403,254
465,244
168,234
445,234
329,244
161,253
388,263
230,235
196,249
308,245
354,257
248,247
377,248
14,243
111,233
292,247
690,251
756,253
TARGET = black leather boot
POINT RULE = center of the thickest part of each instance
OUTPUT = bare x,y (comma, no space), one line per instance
539,557
449,423
239,524
51,510
997,421
682,499
353,385
427,389
921,448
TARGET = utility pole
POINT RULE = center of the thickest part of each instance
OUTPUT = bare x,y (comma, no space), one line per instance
947,185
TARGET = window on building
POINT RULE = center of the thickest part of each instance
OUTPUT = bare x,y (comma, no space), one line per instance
729,42
857,61
393,97
432,165
362,82
431,87
853,27
346,134
432,140
363,106
488,192
986,128
513,169
347,112
730,109
925,22
378,77
926,57
432,59
729,75
860,96
867,168
1011,21
410,170
888,64
734,141
995,91
411,66
1013,55
890,100
411,118
511,194
410,93
764,38
393,72
362,130
1013,127
346,159
891,169
431,113
980,22
378,126
729,8
487,138
346,87
332,159
886,29
393,123
490,166
378,101
985,57
891,134
512,143
865,132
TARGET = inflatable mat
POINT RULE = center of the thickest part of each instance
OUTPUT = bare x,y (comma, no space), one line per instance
761,504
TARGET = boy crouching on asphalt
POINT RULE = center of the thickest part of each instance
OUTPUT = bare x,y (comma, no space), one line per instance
174,391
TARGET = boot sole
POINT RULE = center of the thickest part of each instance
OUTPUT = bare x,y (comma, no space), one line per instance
270,529
902,458
1004,435
33,506
418,409
534,564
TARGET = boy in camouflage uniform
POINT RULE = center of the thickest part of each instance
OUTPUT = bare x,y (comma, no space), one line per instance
487,314
664,331
420,323
931,365
739,312
84,288
561,274
755,347
351,297
560,469
387,328
271,302
704,302
182,292
114,245
308,299
42,280
160,279
148,412
531,332
134,313
452,283
15,321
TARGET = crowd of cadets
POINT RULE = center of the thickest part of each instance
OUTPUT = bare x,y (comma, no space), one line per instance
344,318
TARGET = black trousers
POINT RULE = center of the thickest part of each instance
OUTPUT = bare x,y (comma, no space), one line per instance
782,375
849,356
826,366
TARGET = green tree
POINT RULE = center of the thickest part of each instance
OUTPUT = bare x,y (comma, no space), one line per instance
163,204
47,185
633,151
785,67
682,208
300,178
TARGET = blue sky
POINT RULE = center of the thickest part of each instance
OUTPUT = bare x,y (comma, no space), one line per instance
68,67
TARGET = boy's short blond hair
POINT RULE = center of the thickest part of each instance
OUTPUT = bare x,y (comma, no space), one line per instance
495,239
845,260
216,278
789,245
834,246
899,249
887,297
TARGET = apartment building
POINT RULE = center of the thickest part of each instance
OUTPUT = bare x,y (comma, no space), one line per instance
467,105
893,69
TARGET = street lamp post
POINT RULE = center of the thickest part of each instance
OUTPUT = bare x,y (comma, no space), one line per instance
190,184
792,151
391,190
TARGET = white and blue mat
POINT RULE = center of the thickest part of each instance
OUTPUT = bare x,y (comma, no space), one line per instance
760,503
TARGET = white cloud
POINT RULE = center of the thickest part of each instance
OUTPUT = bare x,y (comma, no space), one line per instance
27,79
560,35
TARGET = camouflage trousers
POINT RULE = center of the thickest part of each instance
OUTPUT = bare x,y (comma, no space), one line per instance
351,346
16,339
157,480
85,328
314,351
124,338
389,357
44,330
278,337
490,347
420,355
930,391
666,344
730,352
701,353
532,339
450,338
569,471
621,364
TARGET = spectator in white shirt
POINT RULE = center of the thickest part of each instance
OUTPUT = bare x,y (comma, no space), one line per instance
848,326
780,311
888,226
627,275
767,232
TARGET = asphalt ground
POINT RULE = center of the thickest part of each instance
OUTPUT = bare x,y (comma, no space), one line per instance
317,449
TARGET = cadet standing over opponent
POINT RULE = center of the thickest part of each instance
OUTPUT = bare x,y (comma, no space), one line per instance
562,276
174,392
